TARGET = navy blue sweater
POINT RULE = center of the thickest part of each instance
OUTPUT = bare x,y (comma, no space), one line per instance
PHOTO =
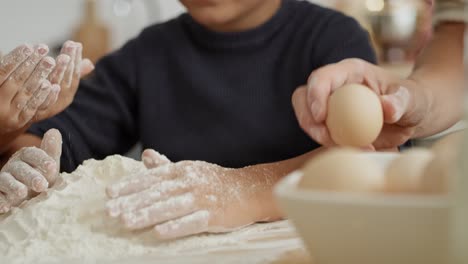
195,94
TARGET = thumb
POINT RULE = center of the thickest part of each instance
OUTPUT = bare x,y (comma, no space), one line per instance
52,145
395,104
153,159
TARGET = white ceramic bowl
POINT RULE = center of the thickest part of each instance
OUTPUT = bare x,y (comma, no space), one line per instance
346,228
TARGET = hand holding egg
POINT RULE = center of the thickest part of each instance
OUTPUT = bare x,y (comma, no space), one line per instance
403,108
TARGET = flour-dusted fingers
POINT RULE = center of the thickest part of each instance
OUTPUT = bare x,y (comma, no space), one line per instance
57,74
34,81
31,108
196,197
153,159
28,175
160,212
11,61
192,224
39,159
78,61
31,170
139,200
69,48
19,77
87,67
139,182
5,206
9,185
51,99
34,92
52,145
41,162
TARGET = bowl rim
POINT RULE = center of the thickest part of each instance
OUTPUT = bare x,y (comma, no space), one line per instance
287,189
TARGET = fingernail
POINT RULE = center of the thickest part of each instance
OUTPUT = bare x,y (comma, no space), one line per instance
316,108
21,192
39,184
148,161
48,62
88,63
51,167
317,134
311,83
69,48
42,49
63,59
400,100
68,43
28,50
398,113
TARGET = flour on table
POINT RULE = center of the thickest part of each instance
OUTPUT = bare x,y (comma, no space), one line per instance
69,222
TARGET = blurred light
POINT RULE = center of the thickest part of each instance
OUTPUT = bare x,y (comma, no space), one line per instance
375,5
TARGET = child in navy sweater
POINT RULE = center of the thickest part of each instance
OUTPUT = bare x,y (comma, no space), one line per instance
214,85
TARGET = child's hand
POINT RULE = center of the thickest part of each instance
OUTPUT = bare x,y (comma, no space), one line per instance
180,199
66,76
30,170
24,88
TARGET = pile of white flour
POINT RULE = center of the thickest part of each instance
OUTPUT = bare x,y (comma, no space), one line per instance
69,222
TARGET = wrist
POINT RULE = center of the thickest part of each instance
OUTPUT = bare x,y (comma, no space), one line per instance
257,197
8,138
22,140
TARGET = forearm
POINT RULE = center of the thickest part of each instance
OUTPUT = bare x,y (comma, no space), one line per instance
438,78
6,140
264,177
22,141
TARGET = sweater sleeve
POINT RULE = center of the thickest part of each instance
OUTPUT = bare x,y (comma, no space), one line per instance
102,118
343,38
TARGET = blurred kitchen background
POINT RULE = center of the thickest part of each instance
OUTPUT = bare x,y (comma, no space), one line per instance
399,28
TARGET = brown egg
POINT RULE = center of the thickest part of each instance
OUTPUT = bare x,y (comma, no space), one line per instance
355,116
344,170
404,174
436,175
449,143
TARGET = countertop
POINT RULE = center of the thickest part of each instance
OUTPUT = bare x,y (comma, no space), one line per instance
269,243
